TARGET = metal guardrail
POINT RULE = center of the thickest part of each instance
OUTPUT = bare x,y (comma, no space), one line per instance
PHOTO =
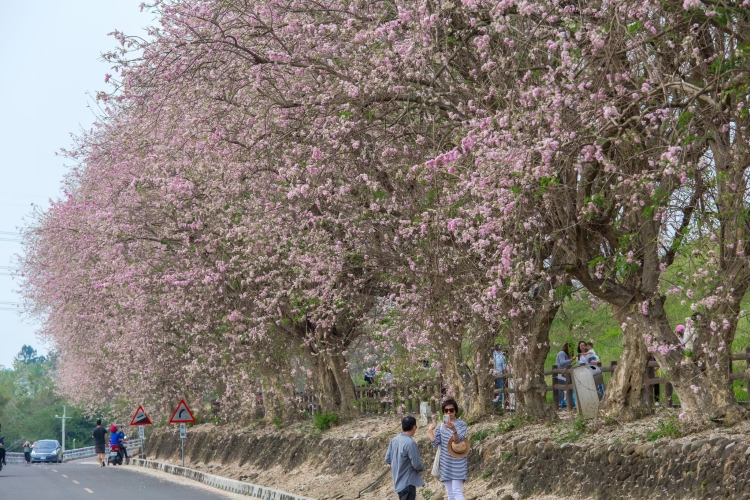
18,458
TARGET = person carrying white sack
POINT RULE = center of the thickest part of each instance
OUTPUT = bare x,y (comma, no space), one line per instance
449,438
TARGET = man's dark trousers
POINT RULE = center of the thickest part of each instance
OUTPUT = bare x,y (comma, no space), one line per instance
409,493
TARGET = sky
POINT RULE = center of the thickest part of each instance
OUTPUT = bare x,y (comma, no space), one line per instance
50,52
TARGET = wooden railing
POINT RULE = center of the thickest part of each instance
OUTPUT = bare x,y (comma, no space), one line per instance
406,398
650,380
403,397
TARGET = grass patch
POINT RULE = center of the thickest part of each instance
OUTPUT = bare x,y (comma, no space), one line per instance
665,427
276,422
479,436
324,421
487,473
507,456
509,425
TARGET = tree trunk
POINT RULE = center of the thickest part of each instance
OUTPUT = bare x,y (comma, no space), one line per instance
456,375
529,346
713,349
691,385
482,379
277,398
346,399
623,399
324,382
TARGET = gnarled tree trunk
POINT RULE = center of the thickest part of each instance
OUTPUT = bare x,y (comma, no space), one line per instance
324,382
482,378
346,399
623,399
456,375
529,346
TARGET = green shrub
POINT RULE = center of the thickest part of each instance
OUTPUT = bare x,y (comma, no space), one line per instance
480,435
276,422
579,425
666,427
487,473
507,455
740,390
324,421
509,425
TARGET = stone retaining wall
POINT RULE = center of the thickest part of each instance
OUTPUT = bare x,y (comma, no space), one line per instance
714,467
704,468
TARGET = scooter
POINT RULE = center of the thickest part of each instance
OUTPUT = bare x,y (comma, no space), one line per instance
115,455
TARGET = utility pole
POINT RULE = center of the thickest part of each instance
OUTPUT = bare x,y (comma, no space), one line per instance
63,418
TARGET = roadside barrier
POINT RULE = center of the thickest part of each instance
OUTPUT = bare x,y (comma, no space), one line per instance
219,482
18,458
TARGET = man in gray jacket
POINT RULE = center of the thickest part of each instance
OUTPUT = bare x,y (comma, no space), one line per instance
403,457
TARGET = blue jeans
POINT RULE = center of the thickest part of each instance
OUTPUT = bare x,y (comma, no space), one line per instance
500,384
563,402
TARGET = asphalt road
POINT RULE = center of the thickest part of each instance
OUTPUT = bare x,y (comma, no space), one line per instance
83,479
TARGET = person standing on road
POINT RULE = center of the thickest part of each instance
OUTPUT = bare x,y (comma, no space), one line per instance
403,457
27,452
100,442
453,450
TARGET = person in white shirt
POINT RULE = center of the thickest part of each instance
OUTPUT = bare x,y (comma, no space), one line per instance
582,350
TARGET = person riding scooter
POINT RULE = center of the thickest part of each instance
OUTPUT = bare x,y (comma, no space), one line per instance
117,439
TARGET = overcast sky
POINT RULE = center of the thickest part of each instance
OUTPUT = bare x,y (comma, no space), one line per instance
49,63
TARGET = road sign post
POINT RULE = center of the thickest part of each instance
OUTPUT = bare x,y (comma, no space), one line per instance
142,435
183,416
183,435
141,419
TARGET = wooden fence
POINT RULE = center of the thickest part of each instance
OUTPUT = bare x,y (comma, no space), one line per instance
664,389
392,398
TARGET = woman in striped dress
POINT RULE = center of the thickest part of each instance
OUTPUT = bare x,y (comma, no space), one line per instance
452,470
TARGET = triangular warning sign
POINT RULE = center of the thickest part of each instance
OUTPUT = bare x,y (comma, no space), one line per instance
182,415
140,417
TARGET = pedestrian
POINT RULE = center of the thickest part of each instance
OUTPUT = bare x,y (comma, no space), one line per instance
501,366
679,330
594,359
2,451
370,375
27,452
582,350
403,457
454,450
100,443
386,377
563,360
591,354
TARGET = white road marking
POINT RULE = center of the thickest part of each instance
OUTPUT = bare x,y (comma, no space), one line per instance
63,475
88,490
76,481
54,470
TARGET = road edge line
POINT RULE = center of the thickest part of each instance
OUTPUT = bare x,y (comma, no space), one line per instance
222,483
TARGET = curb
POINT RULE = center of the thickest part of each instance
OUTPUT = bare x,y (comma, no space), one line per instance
219,482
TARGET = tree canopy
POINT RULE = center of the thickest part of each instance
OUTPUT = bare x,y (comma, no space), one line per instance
272,184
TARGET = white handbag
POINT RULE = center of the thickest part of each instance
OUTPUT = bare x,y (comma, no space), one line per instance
436,464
